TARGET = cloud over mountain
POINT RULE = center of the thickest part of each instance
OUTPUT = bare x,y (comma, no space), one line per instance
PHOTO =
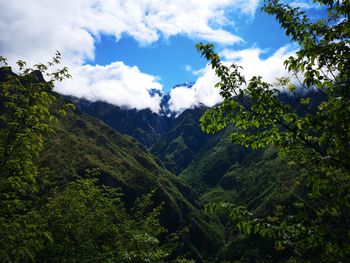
203,91
269,68
34,30
128,87
116,84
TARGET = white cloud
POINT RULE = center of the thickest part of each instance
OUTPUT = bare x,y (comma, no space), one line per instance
116,84
203,91
33,30
253,65
305,4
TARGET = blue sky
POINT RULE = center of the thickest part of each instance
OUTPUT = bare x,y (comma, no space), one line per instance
166,59
169,58
119,50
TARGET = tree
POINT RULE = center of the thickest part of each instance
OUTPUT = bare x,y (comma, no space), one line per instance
314,136
25,101
89,223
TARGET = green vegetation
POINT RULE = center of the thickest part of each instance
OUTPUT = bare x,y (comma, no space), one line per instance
72,189
82,142
212,161
178,146
55,205
89,223
25,117
82,221
315,227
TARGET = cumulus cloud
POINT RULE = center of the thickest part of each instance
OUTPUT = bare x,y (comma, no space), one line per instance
203,91
33,30
253,65
116,84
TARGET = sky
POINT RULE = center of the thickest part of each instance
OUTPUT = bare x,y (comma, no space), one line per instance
119,50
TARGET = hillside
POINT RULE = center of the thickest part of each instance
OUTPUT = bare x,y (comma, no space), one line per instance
180,144
144,125
174,140
216,169
81,143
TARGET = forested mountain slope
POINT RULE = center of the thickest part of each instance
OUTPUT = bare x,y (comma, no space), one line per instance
81,144
218,170
206,162
181,143
144,125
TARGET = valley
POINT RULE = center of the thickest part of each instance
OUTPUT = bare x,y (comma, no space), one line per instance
215,169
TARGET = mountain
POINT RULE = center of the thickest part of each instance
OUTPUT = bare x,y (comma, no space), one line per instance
209,163
144,125
82,142
151,151
174,140
217,170
180,143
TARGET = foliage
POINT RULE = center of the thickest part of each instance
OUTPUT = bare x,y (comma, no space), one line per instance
316,141
66,218
25,117
89,223
80,221
25,101
179,145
